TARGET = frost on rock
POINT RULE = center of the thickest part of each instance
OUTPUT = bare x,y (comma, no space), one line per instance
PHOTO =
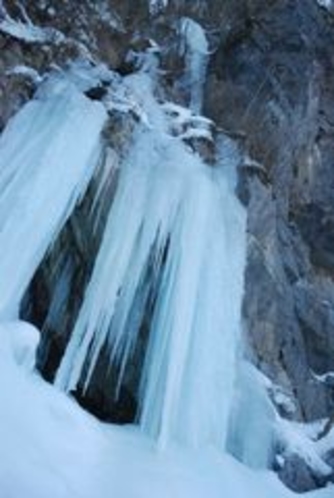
27,31
120,99
50,447
299,439
326,378
42,170
155,6
107,15
183,123
27,72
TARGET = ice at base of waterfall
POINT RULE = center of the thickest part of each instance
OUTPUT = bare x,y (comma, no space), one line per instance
51,448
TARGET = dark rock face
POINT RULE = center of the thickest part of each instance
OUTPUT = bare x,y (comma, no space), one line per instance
270,79
270,85
297,475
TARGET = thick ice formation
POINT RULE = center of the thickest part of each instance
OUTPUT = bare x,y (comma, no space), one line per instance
253,419
195,47
174,230
48,154
52,448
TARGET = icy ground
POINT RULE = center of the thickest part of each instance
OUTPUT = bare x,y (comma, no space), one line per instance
51,448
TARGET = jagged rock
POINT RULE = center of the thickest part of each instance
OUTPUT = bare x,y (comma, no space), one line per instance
297,475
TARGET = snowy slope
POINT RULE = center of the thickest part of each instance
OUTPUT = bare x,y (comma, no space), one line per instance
51,447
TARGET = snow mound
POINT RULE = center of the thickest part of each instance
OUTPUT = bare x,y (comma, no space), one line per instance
51,447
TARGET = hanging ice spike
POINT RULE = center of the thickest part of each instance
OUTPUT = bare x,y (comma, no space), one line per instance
43,173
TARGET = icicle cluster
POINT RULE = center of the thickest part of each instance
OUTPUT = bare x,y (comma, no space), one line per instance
43,173
176,233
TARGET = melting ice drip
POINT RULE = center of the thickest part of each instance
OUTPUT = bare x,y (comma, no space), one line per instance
43,173
174,219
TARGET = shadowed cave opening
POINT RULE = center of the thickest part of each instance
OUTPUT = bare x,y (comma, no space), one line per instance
111,395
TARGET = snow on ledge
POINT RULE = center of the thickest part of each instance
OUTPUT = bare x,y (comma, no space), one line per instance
27,72
155,6
28,32
327,4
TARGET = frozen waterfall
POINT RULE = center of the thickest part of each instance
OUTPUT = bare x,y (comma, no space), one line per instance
195,48
48,154
177,233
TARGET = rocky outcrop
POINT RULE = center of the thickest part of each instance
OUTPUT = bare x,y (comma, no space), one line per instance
271,77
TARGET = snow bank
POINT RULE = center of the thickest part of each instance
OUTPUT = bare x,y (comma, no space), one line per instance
51,448
297,441
46,441
19,341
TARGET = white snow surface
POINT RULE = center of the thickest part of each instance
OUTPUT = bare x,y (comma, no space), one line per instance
327,4
51,448
327,377
298,442
48,154
26,71
25,30
186,125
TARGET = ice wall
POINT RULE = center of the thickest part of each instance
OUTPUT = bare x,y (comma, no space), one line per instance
48,154
195,48
177,232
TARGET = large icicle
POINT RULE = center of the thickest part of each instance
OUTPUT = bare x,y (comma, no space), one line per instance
195,48
189,374
48,154
176,216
